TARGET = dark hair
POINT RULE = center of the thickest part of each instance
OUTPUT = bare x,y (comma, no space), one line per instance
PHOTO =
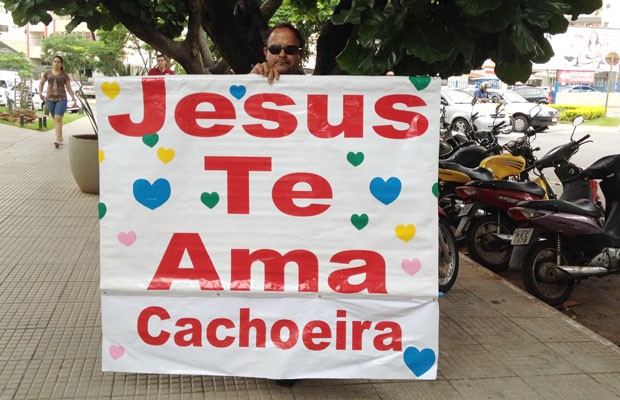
286,25
161,55
62,62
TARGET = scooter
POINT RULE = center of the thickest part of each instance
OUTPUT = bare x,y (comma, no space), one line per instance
485,219
448,266
559,242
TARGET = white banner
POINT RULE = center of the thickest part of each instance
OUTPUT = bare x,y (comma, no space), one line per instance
290,223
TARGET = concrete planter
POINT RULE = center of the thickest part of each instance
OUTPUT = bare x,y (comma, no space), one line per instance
84,162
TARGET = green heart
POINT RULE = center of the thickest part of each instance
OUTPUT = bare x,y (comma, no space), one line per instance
102,210
150,139
359,221
436,189
420,82
355,158
210,199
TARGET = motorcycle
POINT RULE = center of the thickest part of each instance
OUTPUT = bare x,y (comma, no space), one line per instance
485,218
559,242
448,266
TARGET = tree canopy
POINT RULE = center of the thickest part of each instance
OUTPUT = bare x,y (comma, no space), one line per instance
410,37
17,62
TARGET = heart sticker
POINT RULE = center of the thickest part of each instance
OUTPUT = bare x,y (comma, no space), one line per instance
385,191
435,189
151,196
359,221
102,210
411,266
150,139
405,233
101,156
238,91
165,155
419,362
210,199
355,158
127,238
420,82
116,352
110,89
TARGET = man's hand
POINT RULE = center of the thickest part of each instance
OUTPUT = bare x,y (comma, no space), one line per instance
265,70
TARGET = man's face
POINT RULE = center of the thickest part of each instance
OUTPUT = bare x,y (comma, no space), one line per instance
161,63
282,62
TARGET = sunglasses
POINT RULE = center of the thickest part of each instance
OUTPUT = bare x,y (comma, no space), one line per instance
290,50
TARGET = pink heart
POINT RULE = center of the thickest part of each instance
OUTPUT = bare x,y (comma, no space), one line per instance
116,352
127,238
411,266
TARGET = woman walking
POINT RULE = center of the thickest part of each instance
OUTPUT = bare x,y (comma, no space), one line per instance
58,84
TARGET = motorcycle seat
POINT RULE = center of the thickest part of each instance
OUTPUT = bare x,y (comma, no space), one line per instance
579,207
526,187
477,173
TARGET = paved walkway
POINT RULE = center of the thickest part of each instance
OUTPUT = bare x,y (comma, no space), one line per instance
496,342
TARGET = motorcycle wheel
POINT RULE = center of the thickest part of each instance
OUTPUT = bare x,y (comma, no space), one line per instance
448,265
484,247
539,268
450,204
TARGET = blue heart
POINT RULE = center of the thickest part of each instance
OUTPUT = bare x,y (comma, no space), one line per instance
151,196
385,192
419,361
237,91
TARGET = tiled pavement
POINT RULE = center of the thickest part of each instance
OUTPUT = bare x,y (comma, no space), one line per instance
495,341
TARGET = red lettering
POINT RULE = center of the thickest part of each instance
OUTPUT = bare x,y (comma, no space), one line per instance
341,331
203,270
254,107
358,332
373,269
395,336
154,96
143,326
212,332
274,262
194,331
238,178
352,122
187,115
245,324
309,335
417,123
283,194
276,334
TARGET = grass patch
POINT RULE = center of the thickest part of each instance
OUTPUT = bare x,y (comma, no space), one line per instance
604,121
67,118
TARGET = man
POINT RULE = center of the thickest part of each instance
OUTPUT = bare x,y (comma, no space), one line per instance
481,93
161,68
284,46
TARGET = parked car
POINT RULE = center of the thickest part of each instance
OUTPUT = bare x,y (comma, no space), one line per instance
37,104
578,88
458,110
519,109
88,90
533,94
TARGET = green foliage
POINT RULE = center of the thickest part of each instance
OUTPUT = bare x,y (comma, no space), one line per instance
568,112
78,53
17,62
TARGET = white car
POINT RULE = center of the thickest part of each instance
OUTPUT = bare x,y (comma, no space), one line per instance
459,107
523,113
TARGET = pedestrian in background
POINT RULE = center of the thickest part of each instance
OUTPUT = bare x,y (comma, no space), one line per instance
482,93
58,85
162,66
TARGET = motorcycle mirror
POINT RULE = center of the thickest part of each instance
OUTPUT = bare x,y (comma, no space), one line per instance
578,121
474,101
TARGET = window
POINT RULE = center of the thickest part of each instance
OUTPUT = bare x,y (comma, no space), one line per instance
4,28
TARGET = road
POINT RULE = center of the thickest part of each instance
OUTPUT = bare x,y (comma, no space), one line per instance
594,301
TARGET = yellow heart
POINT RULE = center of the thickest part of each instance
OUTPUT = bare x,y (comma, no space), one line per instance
110,89
405,233
101,156
165,155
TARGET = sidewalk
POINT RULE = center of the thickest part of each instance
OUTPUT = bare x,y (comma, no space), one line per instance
496,342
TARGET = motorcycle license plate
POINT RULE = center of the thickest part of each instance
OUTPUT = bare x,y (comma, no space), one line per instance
521,236
466,209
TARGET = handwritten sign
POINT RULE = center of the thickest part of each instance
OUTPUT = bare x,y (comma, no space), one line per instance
279,231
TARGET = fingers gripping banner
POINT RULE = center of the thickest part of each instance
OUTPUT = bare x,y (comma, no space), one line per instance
284,230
